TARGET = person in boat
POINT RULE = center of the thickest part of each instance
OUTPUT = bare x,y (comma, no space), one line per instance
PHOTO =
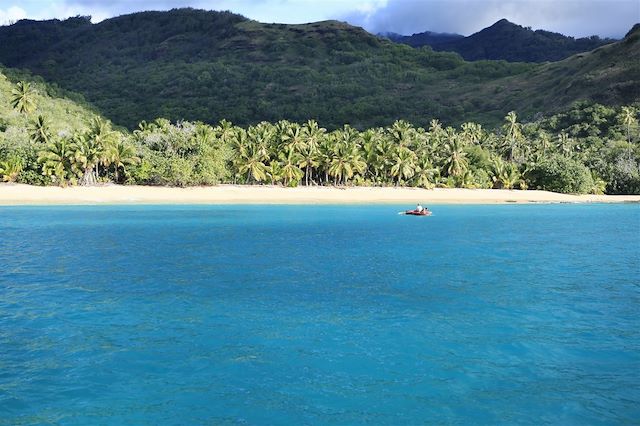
419,208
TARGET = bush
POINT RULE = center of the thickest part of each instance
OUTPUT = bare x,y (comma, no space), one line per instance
32,177
561,174
624,177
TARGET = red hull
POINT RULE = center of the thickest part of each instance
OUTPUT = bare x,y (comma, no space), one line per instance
417,213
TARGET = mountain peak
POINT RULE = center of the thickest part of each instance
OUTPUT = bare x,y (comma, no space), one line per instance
635,30
503,21
511,42
503,24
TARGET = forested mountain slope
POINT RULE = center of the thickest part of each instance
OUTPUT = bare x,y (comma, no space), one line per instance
615,67
505,40
198,65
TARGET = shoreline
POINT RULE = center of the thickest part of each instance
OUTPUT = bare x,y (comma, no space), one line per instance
20,194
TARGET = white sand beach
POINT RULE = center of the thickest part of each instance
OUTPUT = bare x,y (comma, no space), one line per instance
17,194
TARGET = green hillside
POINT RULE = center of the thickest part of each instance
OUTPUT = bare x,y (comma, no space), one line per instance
64,112
197,65
608,75
54,114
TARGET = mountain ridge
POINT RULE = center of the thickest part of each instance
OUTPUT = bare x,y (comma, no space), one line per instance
505,40
198,65
426,38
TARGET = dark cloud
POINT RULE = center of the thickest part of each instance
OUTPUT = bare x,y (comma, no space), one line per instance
612,18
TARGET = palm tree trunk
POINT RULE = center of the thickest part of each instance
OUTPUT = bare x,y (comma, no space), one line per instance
629,143
88,177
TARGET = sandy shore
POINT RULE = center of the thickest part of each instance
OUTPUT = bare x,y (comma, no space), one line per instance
13,194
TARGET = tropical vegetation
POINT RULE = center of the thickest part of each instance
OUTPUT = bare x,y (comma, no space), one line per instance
589,148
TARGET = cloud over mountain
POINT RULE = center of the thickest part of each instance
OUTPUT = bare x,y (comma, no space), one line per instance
609,18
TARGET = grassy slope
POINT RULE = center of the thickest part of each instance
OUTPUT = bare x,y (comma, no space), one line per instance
609,75
64,115
196,65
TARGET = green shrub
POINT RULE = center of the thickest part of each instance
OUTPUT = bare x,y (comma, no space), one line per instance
560,174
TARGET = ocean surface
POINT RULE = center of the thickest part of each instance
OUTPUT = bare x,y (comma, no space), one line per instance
321,315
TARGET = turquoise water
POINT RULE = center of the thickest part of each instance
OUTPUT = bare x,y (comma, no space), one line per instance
267,315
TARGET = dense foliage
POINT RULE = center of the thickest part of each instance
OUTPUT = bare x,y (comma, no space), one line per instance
208,66
507,41
590,148
561,174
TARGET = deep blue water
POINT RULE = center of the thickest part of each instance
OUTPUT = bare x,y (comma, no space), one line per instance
267,315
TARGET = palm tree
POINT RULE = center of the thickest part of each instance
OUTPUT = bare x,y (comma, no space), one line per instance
472,133
505,174
204,134
565,144
10,169
404,164
466,179
293,139
225,131
401,133
544,142
100,138
39,131
308,159
599,185
290,170
511,176
250,162
340,167
312,136
143,127
628,119
455,162
512,143
326,151
274,171
122,155
86,156
56,160
384,158
371,140
346,162
425,173
262,137
23,98
435,128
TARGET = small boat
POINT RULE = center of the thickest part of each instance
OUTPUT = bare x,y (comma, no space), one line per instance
424,212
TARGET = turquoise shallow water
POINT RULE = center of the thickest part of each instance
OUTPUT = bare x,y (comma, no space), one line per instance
319,315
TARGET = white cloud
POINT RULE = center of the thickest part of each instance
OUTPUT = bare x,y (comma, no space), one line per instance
281,11
572,17
12,14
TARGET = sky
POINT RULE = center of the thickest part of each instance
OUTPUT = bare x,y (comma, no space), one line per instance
578,18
